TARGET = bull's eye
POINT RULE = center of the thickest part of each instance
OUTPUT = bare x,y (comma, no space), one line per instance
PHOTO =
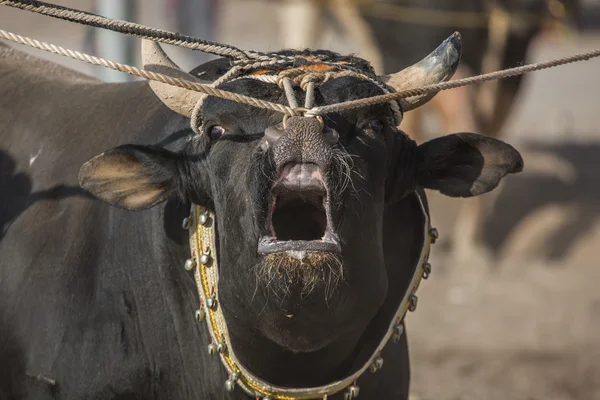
376,125
216,132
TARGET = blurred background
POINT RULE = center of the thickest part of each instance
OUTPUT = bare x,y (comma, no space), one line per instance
520,317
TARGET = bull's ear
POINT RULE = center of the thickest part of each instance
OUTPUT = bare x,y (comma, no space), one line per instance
131,177
465,164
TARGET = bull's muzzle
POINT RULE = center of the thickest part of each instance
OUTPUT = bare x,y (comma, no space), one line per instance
303,140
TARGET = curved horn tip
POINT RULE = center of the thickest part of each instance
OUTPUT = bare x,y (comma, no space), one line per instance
448,52
153,54
439,66
180,100
452,47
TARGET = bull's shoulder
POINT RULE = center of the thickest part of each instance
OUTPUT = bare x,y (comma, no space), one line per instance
34,68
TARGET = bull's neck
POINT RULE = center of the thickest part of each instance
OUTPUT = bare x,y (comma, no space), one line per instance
283,367
246,349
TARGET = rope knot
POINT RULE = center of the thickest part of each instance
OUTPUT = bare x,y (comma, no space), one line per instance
288,74
312,77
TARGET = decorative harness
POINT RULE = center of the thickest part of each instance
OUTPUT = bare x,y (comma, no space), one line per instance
204,261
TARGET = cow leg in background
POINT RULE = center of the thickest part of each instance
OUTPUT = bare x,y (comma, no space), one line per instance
485,115
300,23
348,15
452,107
457,115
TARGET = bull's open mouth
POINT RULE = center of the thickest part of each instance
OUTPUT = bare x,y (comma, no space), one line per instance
298,217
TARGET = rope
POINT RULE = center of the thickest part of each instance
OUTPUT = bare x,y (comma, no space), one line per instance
138,30
344,106
506,73
182,83
309,101
286,84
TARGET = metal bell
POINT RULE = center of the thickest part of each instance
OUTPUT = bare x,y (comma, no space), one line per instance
211,303
352,392
426,270
203,219
221,347
200,314
377,365
189,264
229,385
212,349
398,331
412,302
205,259
433,232
187,222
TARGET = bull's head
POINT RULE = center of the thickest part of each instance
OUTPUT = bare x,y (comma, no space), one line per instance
300,208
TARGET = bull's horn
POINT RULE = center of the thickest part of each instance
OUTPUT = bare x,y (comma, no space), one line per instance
437,67
180,100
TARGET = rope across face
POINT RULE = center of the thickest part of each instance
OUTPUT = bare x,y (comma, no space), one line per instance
438,66
307,78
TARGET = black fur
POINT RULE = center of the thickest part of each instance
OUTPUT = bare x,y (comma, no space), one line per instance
96,299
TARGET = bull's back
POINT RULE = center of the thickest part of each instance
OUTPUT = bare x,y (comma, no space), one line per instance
68,311
52,120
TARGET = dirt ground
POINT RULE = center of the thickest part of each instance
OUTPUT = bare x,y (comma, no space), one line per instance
527,327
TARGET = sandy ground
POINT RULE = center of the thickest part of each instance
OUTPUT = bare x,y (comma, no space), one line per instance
529,327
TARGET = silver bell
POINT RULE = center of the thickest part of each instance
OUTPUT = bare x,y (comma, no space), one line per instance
200,314
426,270
433,232
221,347
212,349
211,303
187,222
229,385
203,219
398,331
377,365
352,392
412,302
205,259
189,264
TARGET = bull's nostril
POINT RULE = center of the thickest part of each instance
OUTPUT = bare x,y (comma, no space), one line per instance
331,136
272,134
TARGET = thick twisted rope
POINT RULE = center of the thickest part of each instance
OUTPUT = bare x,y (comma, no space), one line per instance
140,31
182,83
344,106
437,87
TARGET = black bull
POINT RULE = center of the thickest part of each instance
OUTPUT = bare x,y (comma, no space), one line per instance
94,301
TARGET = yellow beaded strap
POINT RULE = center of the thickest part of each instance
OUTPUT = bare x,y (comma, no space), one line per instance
204,262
